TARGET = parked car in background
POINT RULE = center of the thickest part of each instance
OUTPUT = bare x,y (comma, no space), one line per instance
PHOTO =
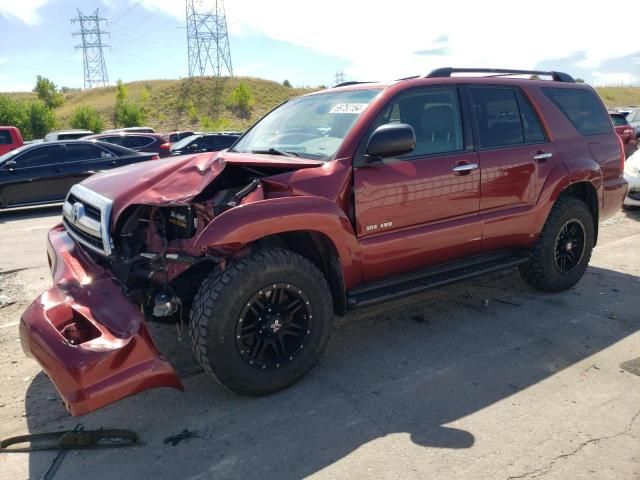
66,135
632,176
174,137
131,130
140,142
625,131
10,139
633,117
44,173
204,142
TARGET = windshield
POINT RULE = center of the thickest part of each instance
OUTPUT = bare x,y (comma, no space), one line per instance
184,142
619,119
311,127
13,153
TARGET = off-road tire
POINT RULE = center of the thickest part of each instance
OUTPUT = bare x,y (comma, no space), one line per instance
218,305
541,271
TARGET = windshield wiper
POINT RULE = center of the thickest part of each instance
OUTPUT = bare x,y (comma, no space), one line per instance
275,151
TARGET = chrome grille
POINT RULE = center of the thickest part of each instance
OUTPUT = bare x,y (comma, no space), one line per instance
86,215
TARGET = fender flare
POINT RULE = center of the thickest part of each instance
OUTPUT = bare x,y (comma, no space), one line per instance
246,224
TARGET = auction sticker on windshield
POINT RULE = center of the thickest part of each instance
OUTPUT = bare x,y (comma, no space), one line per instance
349,108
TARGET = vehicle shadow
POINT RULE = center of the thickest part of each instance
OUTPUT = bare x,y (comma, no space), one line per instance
24,213
633,212
413,367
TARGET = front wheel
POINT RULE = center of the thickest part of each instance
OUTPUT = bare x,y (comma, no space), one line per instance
263,323
562,252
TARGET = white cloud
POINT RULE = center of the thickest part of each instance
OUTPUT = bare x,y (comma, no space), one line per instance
24,10
379,39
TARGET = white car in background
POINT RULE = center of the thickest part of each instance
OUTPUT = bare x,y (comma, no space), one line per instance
632,176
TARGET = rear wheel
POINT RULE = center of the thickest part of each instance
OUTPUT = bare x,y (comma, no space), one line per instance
562,252
263,323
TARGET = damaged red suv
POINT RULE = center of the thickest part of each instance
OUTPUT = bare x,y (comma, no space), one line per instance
336,200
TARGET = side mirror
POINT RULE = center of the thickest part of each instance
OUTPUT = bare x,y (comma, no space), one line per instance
9,165
391,140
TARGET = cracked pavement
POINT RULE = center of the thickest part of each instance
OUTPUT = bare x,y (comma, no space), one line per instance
443,385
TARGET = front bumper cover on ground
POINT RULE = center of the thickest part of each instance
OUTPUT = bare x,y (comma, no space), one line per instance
90,340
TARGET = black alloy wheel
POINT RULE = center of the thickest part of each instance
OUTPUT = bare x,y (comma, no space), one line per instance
570,244
273,325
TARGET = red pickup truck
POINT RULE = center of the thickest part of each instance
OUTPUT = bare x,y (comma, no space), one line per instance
10,139
334,201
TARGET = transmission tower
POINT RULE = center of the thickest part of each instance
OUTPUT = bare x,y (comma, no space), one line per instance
339,77
95,70
207,38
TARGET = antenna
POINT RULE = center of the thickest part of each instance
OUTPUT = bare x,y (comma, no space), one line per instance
95,69
207,38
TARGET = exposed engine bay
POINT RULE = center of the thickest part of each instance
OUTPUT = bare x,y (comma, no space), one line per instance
153,258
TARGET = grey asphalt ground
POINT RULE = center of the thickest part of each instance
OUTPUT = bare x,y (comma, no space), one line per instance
434,387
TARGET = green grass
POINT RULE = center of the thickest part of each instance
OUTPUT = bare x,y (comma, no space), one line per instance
201,103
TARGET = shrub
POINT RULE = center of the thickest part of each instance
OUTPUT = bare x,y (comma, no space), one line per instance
127,113
286,83
48,92
33,117
240,99
87,118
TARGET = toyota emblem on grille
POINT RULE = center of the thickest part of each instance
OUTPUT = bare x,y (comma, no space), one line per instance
77,211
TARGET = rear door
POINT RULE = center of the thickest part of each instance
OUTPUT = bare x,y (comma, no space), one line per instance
515,157
36,178
85,159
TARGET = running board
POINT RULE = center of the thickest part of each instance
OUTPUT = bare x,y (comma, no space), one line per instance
433,277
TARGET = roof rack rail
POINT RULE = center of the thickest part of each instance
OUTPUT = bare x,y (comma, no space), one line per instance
447,71
346,84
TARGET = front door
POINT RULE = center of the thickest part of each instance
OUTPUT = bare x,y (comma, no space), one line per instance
36,177
420,209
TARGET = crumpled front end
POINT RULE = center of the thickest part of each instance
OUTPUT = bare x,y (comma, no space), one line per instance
90,340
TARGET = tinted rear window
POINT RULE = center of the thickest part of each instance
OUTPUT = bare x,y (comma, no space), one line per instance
583,109
5,137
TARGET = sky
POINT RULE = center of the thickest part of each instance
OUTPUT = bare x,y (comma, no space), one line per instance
307,43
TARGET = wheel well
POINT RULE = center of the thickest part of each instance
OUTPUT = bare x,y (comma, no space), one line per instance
586,192
319,249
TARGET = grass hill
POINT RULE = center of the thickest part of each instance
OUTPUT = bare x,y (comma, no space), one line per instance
203,103
192,103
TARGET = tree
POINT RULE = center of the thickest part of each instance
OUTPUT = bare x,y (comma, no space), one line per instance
241,99
32,117
127,113
87,118
286,83
48,92
579,80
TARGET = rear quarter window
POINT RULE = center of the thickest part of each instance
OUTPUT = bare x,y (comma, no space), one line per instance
582,108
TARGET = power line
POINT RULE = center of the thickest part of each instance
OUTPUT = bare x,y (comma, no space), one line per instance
95,69
207,39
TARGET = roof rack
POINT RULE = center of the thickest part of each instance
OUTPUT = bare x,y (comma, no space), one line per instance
447,71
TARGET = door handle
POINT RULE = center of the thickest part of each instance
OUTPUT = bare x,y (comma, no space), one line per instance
542,156
466,167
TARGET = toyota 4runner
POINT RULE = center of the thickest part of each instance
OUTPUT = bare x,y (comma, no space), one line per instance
336,200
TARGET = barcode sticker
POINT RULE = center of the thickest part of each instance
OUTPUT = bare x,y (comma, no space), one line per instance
349,108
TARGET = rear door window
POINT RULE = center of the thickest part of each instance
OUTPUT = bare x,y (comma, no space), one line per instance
79,151
504,117
137,142
582,108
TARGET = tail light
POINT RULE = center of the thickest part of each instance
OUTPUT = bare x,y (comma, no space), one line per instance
622,154
165,146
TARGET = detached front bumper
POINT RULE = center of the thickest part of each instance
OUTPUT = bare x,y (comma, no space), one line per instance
90,340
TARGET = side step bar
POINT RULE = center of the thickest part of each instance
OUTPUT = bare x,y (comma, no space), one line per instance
433,277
